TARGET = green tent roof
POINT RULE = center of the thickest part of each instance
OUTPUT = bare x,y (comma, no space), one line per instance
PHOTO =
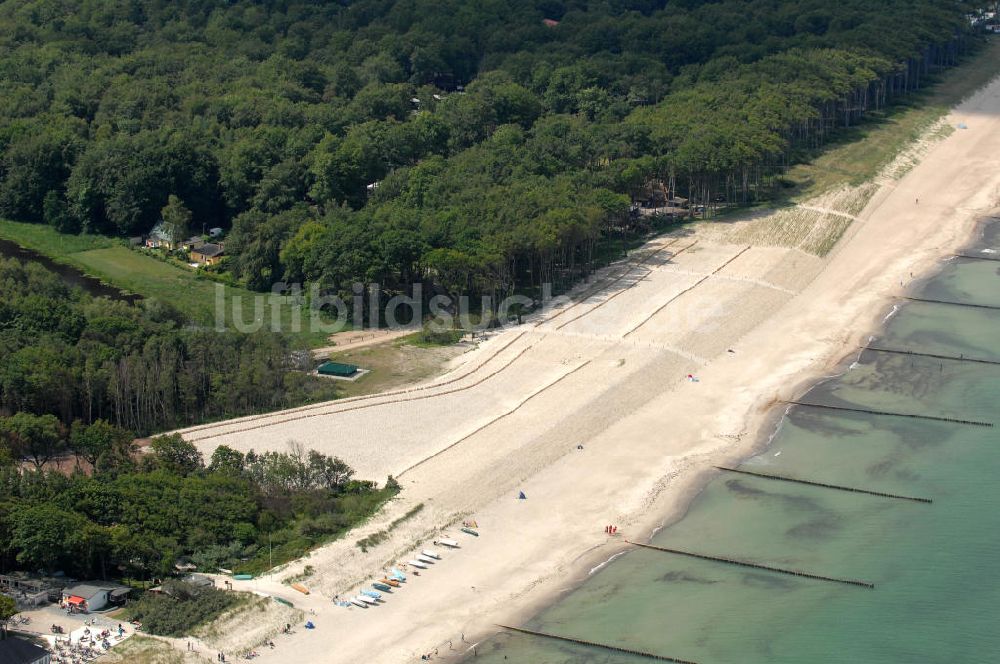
337,369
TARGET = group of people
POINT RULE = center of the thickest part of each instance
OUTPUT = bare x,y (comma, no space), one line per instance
611,530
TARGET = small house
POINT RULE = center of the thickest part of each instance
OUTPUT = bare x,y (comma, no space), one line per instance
215,232
94,596
207,254
28,590
192,243
159,238
337,370
199,581
15,650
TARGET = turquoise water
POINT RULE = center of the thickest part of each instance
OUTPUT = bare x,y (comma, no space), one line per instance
937,584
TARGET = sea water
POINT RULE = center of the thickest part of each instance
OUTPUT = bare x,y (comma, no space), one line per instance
937,582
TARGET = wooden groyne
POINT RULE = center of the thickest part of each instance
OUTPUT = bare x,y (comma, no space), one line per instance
823,485
594,644
978,258
753,565
867,411
913,353
953,303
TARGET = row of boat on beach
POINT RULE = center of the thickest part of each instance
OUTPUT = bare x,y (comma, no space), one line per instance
395,577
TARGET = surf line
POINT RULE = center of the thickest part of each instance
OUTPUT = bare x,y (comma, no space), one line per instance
823,485
748,563
601,566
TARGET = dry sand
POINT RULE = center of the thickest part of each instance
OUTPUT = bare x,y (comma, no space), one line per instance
608,374
354,339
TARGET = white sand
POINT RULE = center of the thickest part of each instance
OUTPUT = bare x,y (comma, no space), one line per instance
649,435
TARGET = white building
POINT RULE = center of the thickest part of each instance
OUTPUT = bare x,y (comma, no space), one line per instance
94,595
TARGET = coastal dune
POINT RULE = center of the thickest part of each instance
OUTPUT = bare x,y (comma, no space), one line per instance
749,322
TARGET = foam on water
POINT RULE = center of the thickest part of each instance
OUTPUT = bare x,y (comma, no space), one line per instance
599,567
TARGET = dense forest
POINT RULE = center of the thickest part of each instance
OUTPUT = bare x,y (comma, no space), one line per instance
80,375
138,516
141,367
481,147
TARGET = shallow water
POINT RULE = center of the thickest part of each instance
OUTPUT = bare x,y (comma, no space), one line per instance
937,585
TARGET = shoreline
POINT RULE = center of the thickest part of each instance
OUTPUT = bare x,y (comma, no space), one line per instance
595,560
968,236
764,420
643,470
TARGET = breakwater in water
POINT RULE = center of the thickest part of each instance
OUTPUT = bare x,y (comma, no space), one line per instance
936,585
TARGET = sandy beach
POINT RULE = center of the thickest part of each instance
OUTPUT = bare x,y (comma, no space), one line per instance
590,410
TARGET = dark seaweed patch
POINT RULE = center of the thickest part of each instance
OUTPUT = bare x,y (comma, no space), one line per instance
769,581
684,577
821,528
797,502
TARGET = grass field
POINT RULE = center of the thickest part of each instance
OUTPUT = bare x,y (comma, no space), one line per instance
45,240
145,650
859,154
137,272
394,364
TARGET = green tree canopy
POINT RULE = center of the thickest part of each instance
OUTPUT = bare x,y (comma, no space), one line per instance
40,438
176,454
176,219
